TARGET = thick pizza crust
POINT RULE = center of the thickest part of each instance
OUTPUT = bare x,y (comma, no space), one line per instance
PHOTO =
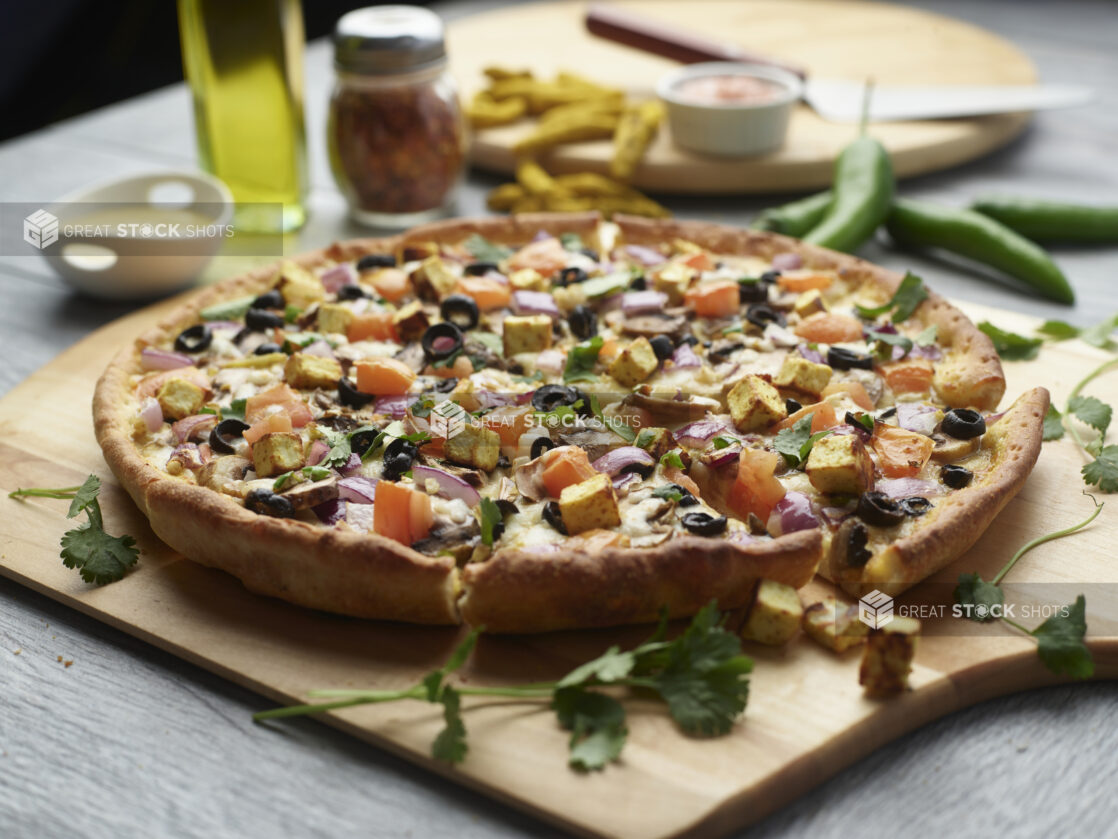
366,575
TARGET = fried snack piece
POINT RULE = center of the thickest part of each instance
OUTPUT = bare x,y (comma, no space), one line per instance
486,112
556,133
535,180
601,106
496,74
636,127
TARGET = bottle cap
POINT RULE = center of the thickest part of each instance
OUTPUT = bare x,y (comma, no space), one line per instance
384,40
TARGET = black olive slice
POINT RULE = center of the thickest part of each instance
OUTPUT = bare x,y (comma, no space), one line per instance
915,505
361,441
770,277
441,341
963,424
638,283
398,457
762,314
644,470
480,269
260,320
572,275
268,300
352,291
956,476
539,446
689,340
791,406
549,397
445,386
267,503
583,322
194,338
350,396
461,310
704,524
851,420
888,412
879,509
686,499
553,516
841,358
225,433
506,507
856,553
376,260
662,346
752,292
267,348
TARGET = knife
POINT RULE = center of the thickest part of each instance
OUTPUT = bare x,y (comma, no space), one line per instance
838,100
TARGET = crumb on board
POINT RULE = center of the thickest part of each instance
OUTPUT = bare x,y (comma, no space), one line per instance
65,662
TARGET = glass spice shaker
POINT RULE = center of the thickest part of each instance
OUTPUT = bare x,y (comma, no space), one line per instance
397,137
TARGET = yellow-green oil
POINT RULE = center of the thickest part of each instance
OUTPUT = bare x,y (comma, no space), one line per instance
244,62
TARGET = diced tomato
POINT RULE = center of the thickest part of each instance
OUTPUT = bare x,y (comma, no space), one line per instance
268,425
546,256
854,390
486,292
150,385
609,351
912,375
900,453
714,300
384,376
829,328
391,283
698,261
289,402
375,325
401,513
460,369
805,280
822,417
509,421
756,489
565,466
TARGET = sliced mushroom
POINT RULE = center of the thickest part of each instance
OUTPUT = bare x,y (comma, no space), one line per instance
529,479
459,540
223,473
594,443
948,449
336,422
660,323
670,412
473,477
307,495
412,355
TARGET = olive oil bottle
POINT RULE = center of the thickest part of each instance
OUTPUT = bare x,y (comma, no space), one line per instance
244,62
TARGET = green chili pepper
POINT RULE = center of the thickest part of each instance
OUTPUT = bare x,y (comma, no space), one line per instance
1048,221
863,189
981,238
797,217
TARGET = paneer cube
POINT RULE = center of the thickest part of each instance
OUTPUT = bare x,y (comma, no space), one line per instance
527,333
674,280
589,504
755,404
299,287
179,398
529,279
799,373
411,321
887,659
809,303
434,279
774,615
474,445
276,453
635,363
834,625
655,441
306,371
416,251
840,465
334,318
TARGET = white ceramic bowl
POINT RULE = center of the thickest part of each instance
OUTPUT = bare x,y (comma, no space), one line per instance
729,129
150,261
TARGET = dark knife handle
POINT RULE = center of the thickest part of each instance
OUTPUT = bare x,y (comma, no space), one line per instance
626,28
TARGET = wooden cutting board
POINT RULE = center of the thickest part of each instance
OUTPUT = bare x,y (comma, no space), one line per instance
806,720
830,38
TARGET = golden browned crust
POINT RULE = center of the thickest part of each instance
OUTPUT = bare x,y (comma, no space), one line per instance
538,591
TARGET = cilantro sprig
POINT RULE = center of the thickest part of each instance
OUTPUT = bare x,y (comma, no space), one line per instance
483,250
702,676
1059,639
1102,471
1010,345
581,360
910,294
99,557
796,443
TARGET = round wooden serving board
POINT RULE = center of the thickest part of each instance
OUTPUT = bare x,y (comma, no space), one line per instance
848,40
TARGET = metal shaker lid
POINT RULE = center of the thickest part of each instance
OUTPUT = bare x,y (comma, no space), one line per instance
382,40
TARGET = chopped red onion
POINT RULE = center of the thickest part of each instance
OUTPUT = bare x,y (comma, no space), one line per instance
645,256
623,481
636,302
393,406
541,235
700,432
316,452
492,399
788,262
153,359
930,352
720,458
496,276
357,489
352,465
918,417
905,487
359,517
534,303
684,356
810,354
187,427
188,455
450,486
319,348
443,343
613,461
231,325
332,511
152,414
795,512
781,337
990,420
338,276
834,516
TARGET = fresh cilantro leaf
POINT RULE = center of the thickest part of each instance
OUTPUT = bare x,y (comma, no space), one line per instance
668,492
450,743
1103,470
1058,330
732,330
928,336
581,360
616,424
537,376
974,592
485,251
571,241
433,681
229,310
1010,345
422,407
312,473
490,519
607,284
610,666
1053,424
1091,411
235,410
207,410
789,441
597,725
806,448
488,340
99,557
85,497
1099,334
910,294
1060,642
721,442
890,338
418,437
291,313
449,361
672,458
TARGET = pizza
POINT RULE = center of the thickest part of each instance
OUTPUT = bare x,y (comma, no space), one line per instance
554,421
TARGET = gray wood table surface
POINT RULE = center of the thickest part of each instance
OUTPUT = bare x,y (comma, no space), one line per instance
131,741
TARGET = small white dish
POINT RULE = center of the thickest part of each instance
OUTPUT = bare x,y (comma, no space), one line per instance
724,127
116,238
